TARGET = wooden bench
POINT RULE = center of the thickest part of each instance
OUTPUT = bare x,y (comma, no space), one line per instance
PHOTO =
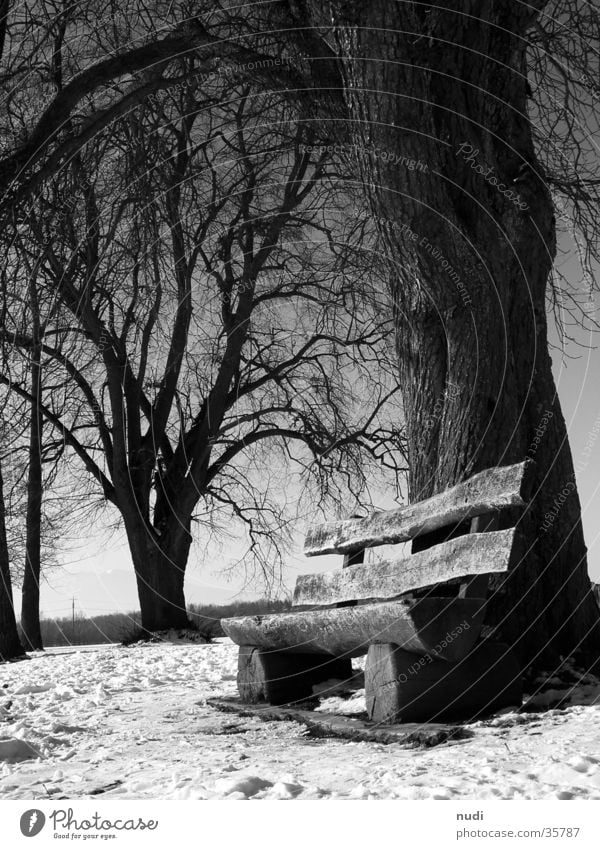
417,617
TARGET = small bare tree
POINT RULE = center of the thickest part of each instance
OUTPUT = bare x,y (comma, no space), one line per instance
31,455
10,644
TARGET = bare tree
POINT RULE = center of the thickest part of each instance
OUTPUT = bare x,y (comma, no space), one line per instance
10,645
459,157
192,251
33,457
479,204
30,603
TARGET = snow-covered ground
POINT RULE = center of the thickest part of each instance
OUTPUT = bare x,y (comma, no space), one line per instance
133,723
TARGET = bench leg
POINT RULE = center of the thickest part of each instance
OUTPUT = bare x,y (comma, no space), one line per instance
404,687
280,677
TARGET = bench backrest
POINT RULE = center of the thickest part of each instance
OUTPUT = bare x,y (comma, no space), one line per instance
481,499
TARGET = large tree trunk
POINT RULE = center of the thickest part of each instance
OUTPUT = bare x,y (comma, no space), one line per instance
10,645
160,573
468,271
30,601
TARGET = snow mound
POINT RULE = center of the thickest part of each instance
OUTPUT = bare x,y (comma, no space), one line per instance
284,790
348,705
247,787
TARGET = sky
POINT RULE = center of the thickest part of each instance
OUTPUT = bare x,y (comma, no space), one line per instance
578,382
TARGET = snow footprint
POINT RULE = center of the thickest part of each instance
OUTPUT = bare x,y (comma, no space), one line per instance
583,763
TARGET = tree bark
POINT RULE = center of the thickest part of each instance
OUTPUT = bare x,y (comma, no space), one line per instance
10,645
30,601
437,126
160,571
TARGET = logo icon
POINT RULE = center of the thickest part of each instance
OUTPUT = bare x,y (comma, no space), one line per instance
32,822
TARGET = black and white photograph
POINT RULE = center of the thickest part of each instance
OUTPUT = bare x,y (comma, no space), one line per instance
300,419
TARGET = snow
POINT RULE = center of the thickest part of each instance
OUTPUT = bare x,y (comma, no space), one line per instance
133,723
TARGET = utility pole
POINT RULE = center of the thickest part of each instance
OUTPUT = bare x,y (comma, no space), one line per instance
73,620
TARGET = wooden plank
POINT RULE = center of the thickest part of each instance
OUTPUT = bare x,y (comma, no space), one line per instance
476,586
486,492
471,554
279,678
323,725
402,688
444,627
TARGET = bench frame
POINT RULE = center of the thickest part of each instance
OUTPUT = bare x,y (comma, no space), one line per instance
388,611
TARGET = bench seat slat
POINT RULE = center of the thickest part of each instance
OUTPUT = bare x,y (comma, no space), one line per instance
486,492
445,628
471,554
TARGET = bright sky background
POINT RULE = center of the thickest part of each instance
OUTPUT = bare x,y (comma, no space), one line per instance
579,391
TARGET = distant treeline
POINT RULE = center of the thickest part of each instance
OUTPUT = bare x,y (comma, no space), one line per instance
119,627
206,617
